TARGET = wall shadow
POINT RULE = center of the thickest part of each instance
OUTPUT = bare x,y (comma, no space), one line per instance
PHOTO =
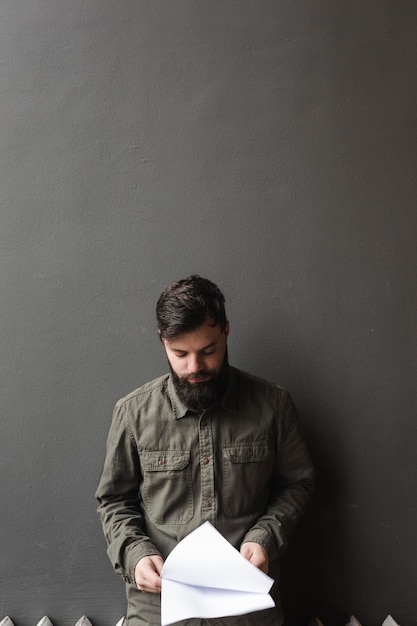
313,567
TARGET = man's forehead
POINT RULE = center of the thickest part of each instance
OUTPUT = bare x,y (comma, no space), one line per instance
200,337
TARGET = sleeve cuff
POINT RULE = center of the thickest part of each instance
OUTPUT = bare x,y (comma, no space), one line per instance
264,540
134,554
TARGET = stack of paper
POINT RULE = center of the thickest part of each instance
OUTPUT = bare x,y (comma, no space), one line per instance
205,576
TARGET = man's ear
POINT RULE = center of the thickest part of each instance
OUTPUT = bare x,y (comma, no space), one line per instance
227,329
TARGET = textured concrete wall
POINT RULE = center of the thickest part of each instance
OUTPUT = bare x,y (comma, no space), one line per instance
270,146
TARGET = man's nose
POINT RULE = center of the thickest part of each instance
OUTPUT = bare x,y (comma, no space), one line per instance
195,363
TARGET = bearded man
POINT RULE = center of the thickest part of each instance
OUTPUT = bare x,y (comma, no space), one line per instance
205,442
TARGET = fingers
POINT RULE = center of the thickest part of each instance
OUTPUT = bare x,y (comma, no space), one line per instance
256,554
147,574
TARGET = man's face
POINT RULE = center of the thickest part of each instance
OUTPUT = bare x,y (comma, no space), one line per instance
198,362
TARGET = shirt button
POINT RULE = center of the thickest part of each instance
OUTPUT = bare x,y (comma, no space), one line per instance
207,504
206,460
160,461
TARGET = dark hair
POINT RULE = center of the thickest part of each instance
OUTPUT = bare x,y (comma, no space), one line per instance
185,305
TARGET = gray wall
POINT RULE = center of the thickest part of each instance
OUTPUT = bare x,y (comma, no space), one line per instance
270,146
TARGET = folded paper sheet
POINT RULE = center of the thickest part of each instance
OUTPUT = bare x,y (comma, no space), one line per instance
205,576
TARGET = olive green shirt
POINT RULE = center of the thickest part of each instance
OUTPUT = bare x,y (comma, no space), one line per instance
243,466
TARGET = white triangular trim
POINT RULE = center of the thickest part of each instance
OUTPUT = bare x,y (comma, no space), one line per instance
45,621
83,621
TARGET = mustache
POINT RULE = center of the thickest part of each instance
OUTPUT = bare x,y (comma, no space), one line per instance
197,375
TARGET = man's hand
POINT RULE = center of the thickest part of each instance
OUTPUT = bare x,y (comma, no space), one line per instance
147,574
256,554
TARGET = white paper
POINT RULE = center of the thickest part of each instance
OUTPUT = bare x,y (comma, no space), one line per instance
205,576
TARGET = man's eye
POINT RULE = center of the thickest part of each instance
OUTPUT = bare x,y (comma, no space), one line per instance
207,352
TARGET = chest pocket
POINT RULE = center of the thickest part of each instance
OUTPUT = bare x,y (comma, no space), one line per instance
247,470
166,491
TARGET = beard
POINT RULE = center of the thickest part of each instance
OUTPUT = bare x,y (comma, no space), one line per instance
202,396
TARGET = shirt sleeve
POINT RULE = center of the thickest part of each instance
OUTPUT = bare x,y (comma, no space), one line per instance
292,483
117,495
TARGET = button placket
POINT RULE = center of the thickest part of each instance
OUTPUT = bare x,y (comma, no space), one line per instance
208,508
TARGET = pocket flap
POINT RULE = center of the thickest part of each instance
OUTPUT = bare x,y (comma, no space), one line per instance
247,452
163,460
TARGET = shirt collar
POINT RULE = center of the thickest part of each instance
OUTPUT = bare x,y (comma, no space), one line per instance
179,409
229,398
